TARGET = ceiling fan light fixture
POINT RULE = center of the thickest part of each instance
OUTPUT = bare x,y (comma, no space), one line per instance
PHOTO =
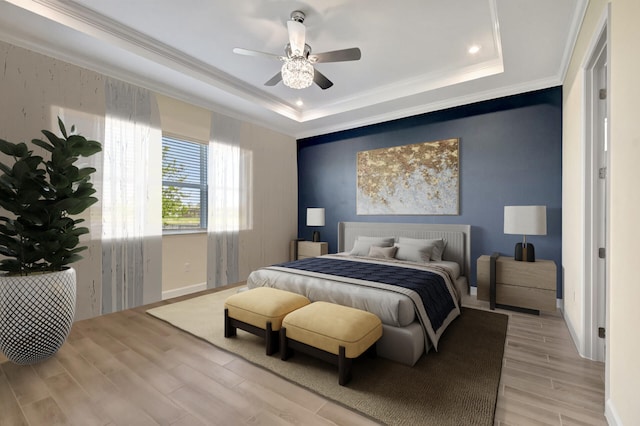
297,72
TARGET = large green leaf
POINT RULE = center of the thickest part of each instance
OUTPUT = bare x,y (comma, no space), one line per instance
8,148
5,251
55,140
62,128
10,265
89,148
78,231
85,171
5,169
43,144
82,205
84,190
18,150
21,150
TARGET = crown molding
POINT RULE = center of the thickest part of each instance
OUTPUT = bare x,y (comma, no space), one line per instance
91,23
433,106
80,18
574,32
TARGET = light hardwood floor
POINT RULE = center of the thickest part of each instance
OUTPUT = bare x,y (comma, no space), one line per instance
129,368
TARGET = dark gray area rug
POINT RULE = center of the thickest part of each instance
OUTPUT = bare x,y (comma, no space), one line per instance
458,385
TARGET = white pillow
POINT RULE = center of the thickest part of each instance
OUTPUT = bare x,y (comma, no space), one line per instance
413,252
382,252
438,245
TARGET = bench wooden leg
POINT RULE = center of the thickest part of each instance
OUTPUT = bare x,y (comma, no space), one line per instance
270,340
344,367
285,351
229,330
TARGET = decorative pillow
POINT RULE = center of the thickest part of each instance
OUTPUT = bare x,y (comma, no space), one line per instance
377,241
362,244
438,245
413,252
361,248
382,252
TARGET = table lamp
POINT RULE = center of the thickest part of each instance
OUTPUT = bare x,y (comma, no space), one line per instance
525,220
315,217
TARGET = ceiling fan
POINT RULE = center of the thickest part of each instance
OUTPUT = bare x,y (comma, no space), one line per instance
297,71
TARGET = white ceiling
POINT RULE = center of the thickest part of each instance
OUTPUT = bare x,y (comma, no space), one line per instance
414,52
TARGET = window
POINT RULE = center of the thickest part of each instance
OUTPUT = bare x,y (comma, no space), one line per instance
184,185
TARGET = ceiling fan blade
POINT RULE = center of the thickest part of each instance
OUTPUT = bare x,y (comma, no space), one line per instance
321,80
296,37
274,80
248,52
352,54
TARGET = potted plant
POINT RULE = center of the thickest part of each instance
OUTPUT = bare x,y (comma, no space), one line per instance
39,238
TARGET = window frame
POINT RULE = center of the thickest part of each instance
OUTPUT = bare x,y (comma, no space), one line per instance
202,186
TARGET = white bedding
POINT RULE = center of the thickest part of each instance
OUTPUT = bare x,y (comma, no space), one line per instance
393,308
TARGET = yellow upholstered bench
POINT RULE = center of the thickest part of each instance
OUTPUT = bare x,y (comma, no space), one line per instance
260,311
331,332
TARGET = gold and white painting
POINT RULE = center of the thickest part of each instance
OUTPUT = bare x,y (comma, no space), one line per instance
416,179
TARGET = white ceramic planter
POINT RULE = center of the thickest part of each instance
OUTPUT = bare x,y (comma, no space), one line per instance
36,314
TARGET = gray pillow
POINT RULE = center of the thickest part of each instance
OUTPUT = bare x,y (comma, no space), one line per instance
361,248
438,245
362,244
378,241
382,252
413,252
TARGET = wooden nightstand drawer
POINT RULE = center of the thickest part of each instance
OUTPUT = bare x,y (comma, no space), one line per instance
530,285
538,274
309,249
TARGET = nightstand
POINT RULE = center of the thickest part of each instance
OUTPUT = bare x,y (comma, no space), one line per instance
308,249
525,286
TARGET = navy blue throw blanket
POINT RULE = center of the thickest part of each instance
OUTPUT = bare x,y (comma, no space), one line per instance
431,288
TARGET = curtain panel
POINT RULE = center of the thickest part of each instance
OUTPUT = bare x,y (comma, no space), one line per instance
225,202
131,198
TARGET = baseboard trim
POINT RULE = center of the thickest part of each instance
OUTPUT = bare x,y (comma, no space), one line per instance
577,342
182,291
611,414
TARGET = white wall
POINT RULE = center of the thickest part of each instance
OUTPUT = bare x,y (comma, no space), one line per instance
184,256
274,215
573,178
623,369
274,198
624,294
34,89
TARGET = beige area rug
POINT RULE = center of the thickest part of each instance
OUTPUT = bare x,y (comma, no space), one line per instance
457,385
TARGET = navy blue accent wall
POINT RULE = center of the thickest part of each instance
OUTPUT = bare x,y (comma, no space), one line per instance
510,154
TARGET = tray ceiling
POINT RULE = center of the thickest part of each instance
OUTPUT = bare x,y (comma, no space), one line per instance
415,58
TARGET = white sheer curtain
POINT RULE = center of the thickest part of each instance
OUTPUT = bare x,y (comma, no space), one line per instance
229,179
131,199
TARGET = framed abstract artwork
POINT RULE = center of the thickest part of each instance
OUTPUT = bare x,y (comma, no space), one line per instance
416,179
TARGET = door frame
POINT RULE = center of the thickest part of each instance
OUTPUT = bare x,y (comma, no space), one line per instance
593,346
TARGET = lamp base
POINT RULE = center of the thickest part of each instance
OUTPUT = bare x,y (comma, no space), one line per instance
316,236
525,253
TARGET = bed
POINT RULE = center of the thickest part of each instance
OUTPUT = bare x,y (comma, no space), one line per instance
412,322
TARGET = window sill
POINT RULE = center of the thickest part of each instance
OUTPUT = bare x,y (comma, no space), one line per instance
183,231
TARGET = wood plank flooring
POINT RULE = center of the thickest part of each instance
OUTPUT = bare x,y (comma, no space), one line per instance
128,368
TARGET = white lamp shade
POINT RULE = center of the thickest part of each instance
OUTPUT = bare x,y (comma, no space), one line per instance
315,217
525,220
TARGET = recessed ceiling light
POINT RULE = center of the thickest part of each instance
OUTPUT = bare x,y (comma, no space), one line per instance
474,49
299,102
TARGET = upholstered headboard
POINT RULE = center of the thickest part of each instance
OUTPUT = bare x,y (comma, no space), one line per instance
458,237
